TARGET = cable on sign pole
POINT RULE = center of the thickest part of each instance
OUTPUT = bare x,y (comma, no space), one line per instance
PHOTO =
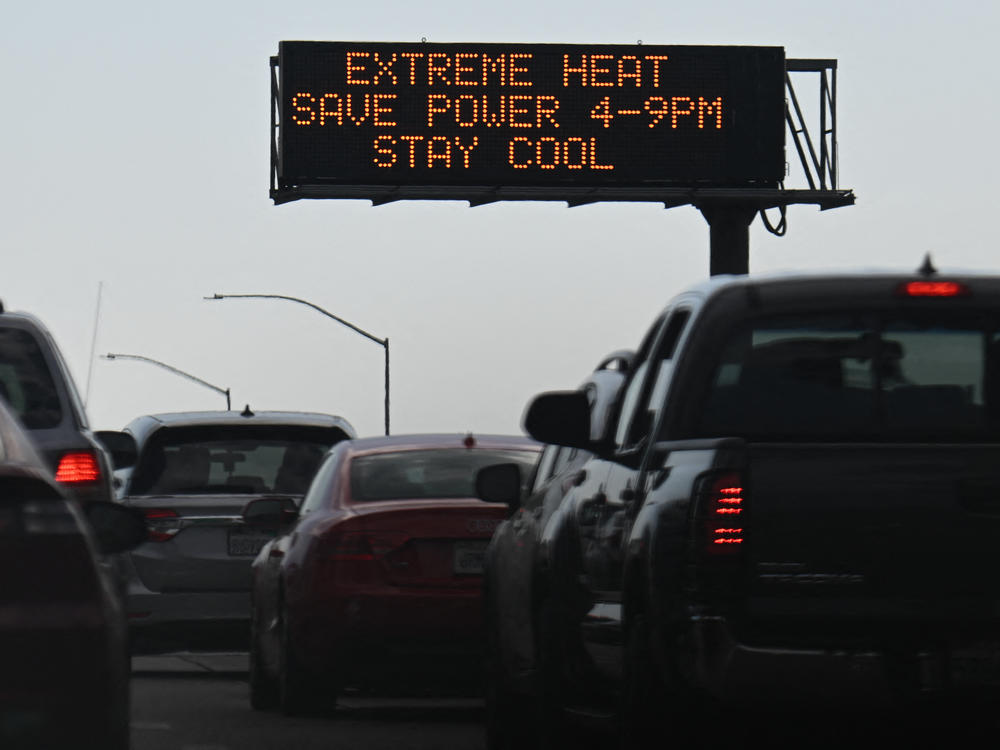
781,227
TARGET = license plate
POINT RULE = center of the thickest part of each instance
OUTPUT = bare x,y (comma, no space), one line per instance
468,558
244,543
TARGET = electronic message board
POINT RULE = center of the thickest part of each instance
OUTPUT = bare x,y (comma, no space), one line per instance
546,115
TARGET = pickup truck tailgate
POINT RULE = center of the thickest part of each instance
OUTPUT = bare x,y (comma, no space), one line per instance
866,536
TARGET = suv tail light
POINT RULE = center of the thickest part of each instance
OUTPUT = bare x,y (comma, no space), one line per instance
79,467
723,505
163,524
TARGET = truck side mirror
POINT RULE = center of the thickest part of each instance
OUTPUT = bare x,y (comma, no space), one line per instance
560,418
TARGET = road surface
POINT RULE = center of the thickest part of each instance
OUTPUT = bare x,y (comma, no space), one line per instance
200,702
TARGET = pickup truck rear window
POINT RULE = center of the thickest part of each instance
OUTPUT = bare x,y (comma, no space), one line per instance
904,375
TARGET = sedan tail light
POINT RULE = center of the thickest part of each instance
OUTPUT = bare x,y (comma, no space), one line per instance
356,558
78,467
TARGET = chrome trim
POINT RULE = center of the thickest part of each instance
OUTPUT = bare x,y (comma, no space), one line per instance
183,522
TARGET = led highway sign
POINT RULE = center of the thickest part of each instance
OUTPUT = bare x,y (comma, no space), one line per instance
529,115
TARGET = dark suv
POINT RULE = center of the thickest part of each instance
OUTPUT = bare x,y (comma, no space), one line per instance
38,388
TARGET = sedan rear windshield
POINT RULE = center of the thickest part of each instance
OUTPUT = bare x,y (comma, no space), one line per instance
428,474
907,375
225,460
26,383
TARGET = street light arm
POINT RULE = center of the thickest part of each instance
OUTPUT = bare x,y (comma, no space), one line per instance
384,343
165,366
307,303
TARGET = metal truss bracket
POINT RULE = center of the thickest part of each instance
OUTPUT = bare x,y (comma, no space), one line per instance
820,168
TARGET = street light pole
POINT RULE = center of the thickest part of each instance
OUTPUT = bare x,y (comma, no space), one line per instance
384,343
165,366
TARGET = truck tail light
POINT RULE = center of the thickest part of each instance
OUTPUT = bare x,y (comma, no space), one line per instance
163,524
933,289
78,467
724,514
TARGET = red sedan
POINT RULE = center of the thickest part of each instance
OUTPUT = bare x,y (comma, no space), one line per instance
376,580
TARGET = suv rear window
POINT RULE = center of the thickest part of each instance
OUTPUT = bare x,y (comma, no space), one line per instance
428,474
219,460
904,375
26,383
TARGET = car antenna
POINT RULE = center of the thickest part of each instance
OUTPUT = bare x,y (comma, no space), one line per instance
246,412
927,269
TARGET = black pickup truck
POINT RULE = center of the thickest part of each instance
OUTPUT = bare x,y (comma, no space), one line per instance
797,505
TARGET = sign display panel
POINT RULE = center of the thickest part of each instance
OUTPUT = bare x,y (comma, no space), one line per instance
545,115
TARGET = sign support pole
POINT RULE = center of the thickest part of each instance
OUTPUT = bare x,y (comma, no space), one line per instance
729,238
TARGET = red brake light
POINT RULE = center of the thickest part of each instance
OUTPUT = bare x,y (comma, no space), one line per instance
163,523
933,289
725,509
77,468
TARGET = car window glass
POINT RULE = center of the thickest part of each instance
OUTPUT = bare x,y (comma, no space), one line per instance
644,396
629,403
428,474
664,366
905,375
544,469
563,459
26,383
633,390
226,460
319,489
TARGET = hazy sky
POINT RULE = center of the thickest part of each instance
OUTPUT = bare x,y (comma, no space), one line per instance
135,154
